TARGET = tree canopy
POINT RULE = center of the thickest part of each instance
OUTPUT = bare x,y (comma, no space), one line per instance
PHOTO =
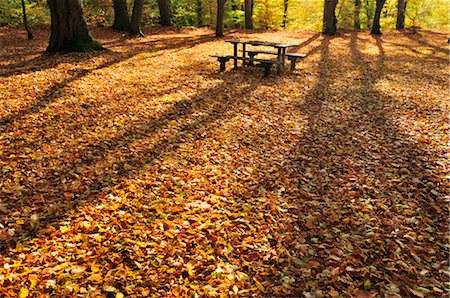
301,14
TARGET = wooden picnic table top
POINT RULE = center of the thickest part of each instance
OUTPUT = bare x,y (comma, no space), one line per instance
263,43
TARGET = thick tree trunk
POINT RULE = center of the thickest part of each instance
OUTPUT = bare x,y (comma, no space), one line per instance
164,12
69,32
329,17
25,21
401,9
357,12
376,19
121,19
220,14
199,13
136,18
285,11
248,14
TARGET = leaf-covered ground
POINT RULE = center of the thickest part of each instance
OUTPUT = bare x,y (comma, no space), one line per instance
142,171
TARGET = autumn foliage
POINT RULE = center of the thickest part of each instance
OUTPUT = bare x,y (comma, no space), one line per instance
141,170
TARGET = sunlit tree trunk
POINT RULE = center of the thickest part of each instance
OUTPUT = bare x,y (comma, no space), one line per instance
136,18
401,9
69,32
234,8
25,21
121,19
164,12
376,19
329,17
357,12
248,14
199,13
220,14
285,11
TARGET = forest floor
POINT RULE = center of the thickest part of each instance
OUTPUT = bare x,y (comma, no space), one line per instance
143,171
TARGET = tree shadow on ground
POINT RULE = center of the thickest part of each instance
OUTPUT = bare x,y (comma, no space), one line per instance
420,40
365,190
112,58
81,173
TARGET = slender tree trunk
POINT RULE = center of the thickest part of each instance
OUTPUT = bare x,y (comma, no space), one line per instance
220,14
234,8
69,32
199,13
329,17
285,11
25,21
369,16
136,18
376,19
121,19
248,14
164,12
401,9
357,12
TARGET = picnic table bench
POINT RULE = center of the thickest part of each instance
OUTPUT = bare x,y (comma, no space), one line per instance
280,53
264,63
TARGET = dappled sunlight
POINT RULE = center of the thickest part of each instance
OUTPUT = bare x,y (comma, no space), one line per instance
142,170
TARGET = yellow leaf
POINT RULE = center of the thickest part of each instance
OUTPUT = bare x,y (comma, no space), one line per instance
95,278
119,295
259,285
23,293
95,267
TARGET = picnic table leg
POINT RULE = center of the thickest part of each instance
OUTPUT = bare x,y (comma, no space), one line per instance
243,54
279,58
235,52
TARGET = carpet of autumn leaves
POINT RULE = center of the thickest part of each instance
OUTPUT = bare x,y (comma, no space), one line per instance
143,171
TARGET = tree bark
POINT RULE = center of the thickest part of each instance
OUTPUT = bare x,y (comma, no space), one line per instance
69,32
164,12
121,19
401,9
248,14
376,19
220,14
357,12
199,13
329,17
285,11
136,18
25,21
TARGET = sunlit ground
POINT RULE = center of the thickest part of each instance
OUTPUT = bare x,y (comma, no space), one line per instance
143,171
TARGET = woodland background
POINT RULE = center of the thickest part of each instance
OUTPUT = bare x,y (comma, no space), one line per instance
267,14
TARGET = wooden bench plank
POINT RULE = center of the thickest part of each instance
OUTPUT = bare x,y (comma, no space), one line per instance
267,64
291,56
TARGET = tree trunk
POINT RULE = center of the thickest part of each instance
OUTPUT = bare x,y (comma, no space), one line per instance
329,17
285,11
121,19
401,9
368,14
136,18
220,13
164,12
199,13
376,19
248,14
25,21
357,20
69,32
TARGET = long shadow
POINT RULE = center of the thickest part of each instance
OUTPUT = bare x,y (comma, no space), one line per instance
80,174
418,38
52,93
415,51
364,187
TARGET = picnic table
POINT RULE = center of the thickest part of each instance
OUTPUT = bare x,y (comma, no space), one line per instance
248,57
